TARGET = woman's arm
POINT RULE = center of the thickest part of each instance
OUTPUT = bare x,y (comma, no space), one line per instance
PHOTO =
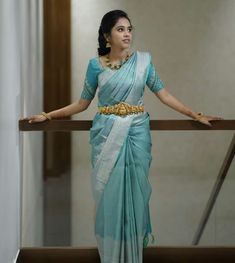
70,110
88,93
168,99
66,111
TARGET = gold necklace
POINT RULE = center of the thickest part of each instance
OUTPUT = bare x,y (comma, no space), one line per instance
115,66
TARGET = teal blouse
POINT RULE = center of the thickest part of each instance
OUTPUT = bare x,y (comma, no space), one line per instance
94,68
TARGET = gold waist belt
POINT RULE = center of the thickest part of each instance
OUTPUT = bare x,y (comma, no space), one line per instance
122,108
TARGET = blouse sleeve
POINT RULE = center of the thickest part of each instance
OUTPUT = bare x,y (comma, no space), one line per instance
153,80
90,82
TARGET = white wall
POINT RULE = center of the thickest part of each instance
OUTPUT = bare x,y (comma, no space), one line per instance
192,43
17,77
9,138
32,89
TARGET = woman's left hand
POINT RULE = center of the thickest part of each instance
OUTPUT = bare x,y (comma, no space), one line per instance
205,119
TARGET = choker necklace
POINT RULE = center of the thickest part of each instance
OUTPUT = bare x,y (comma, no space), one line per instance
115,66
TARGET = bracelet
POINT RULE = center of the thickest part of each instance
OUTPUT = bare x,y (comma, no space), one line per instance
199,116
46,115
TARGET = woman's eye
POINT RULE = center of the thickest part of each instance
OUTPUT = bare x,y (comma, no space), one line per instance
121,29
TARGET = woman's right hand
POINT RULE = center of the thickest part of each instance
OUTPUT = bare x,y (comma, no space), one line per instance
35,118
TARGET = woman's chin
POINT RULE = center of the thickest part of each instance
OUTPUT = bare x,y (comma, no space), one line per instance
126,46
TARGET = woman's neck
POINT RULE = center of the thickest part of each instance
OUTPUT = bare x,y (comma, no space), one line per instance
117,55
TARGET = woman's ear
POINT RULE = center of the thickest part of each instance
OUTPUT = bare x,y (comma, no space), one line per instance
106,36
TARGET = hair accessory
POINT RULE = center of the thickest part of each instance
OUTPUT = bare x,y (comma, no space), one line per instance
46,115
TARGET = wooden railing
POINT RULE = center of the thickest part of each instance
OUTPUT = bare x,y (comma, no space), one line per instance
164,125
167,125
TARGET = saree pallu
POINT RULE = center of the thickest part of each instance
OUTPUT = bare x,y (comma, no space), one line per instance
121,157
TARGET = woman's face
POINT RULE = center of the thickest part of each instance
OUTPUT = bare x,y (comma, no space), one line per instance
121,34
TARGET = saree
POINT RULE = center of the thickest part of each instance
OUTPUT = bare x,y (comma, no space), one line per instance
121,158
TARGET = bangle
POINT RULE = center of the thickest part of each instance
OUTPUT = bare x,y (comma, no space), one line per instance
46,115
199,116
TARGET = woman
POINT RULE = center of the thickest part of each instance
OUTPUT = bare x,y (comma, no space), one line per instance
120,138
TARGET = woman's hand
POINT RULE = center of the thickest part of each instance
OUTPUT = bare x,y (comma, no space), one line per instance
205,119
75,107
35,118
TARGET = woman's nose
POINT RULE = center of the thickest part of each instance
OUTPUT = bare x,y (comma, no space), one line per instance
127,32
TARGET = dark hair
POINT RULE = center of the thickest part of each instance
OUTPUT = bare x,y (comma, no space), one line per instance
107,23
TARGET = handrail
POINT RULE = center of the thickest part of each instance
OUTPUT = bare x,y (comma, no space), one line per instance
169,125
215,191
85,125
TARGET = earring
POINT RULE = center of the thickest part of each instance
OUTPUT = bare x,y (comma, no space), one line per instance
108,44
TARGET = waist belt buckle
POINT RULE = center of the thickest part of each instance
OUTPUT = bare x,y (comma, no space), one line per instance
121,109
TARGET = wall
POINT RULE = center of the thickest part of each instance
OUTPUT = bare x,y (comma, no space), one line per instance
18,55
9,138
32,142
192,44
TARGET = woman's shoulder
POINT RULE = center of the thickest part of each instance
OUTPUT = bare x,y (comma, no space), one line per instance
144,52
97,62
93,60
144,56
94,63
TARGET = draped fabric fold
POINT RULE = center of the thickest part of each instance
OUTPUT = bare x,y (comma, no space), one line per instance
121,157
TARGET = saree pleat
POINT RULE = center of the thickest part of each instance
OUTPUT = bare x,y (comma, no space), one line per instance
122,216
121,157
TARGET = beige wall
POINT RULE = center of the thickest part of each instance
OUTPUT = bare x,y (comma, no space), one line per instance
193,45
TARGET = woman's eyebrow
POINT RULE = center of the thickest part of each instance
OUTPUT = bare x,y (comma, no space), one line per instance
123,26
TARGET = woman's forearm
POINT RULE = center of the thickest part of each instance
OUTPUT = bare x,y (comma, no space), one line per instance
69,110
175,104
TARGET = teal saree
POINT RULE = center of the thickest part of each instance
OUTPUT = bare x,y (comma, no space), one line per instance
121,157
